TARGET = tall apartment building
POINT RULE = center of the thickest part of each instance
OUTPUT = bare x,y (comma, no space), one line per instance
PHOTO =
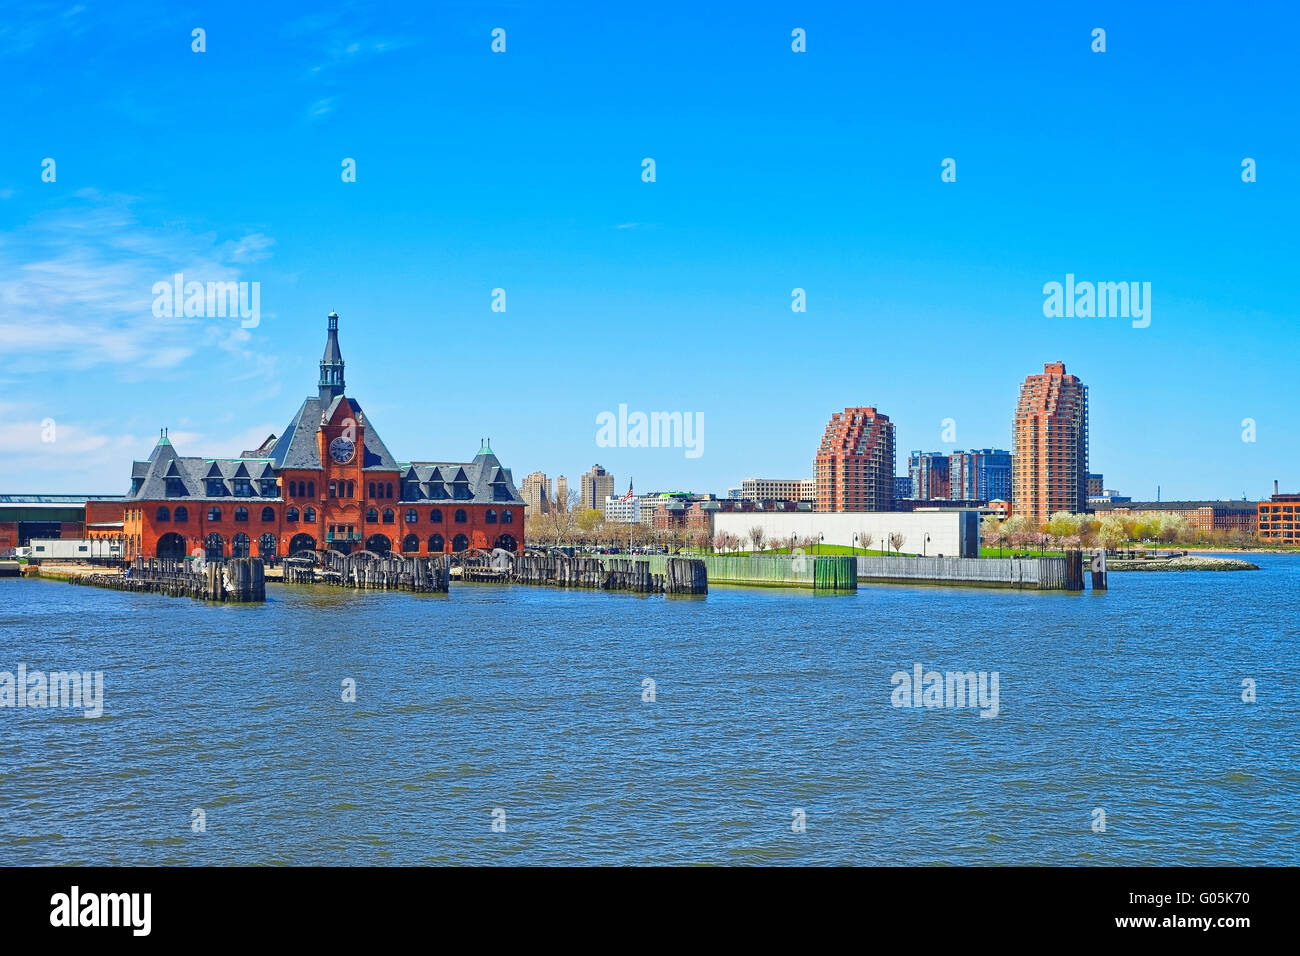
902,487
536,493
854,468
1049,445
597,485
561,498
1096,485
980,475
778,489
1279,518
929,473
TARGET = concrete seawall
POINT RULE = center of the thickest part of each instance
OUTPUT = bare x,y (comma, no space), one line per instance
1032,573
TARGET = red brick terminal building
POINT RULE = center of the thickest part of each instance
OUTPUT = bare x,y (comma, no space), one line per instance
327,482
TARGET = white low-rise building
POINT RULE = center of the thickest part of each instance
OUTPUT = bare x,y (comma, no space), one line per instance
952,533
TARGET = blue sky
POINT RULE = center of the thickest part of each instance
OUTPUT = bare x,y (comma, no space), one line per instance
775,170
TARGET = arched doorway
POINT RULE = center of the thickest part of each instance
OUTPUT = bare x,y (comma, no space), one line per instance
239,546
171,546
379,544
302,542
266,546
507,541
214,548
460,543
436,544
410,544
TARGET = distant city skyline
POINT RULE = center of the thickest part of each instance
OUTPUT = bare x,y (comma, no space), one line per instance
776,171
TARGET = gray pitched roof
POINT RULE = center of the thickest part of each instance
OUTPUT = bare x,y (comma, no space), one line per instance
296,448
481,481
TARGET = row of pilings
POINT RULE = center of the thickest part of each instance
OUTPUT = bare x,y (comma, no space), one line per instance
681,575
369,571
238,580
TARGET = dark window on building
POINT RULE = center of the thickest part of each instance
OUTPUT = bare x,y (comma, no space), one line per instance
182,513
436,516
389,516
241,514
308,514
411,516
268,514
410,544
436,544
352,489
216,487
372,514
333,491
214,513
175,488
411,490
239,546
311,489
388,490
163,514
507,516
266,546
269,488
243,488
460,543
291,516
461,517
372,490
293,489
490,516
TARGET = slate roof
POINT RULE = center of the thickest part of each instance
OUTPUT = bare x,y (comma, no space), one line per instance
481,481
296,448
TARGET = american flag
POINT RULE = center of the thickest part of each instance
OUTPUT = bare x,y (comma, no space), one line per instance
628,496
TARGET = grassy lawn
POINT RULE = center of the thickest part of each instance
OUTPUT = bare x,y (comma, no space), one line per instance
987,552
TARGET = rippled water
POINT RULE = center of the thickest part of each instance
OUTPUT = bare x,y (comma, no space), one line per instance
530,700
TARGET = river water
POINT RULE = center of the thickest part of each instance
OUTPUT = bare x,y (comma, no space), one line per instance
525,706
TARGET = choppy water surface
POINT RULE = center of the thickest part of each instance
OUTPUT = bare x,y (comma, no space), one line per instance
530,700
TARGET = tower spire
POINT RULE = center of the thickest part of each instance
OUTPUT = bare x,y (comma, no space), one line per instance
331,383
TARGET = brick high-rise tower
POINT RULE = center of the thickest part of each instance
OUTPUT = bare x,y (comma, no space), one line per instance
854,470
1049,445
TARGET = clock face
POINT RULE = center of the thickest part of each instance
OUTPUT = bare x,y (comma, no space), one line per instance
342,450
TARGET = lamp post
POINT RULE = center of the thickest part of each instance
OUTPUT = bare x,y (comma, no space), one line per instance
855,542
820,538
925,544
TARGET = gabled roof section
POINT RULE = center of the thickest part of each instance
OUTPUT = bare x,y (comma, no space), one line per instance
296,448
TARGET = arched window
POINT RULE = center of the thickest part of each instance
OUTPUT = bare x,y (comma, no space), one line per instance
436,544
372,514
490,516
506,541
389,516
309,514
266,546
411,516
311,489
239,546
163,514
293,489
460,543
352,489
410,544
214,548
436,516
461,517
291,516
182,513
333,489
507,516
388,490
214,513
372,490
268,514
241,513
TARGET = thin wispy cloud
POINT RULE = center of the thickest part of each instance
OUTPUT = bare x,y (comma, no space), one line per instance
76,289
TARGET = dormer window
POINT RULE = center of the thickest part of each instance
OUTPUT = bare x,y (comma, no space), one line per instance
175,488
216,487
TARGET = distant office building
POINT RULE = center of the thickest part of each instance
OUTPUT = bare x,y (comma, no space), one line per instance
1108,496
597,485
1096,485
536,494
733,494
621,510
929,473
561,492
854,469
980,475
778,489
902,487
1049,446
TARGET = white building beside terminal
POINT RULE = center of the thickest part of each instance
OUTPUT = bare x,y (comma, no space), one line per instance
953,533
